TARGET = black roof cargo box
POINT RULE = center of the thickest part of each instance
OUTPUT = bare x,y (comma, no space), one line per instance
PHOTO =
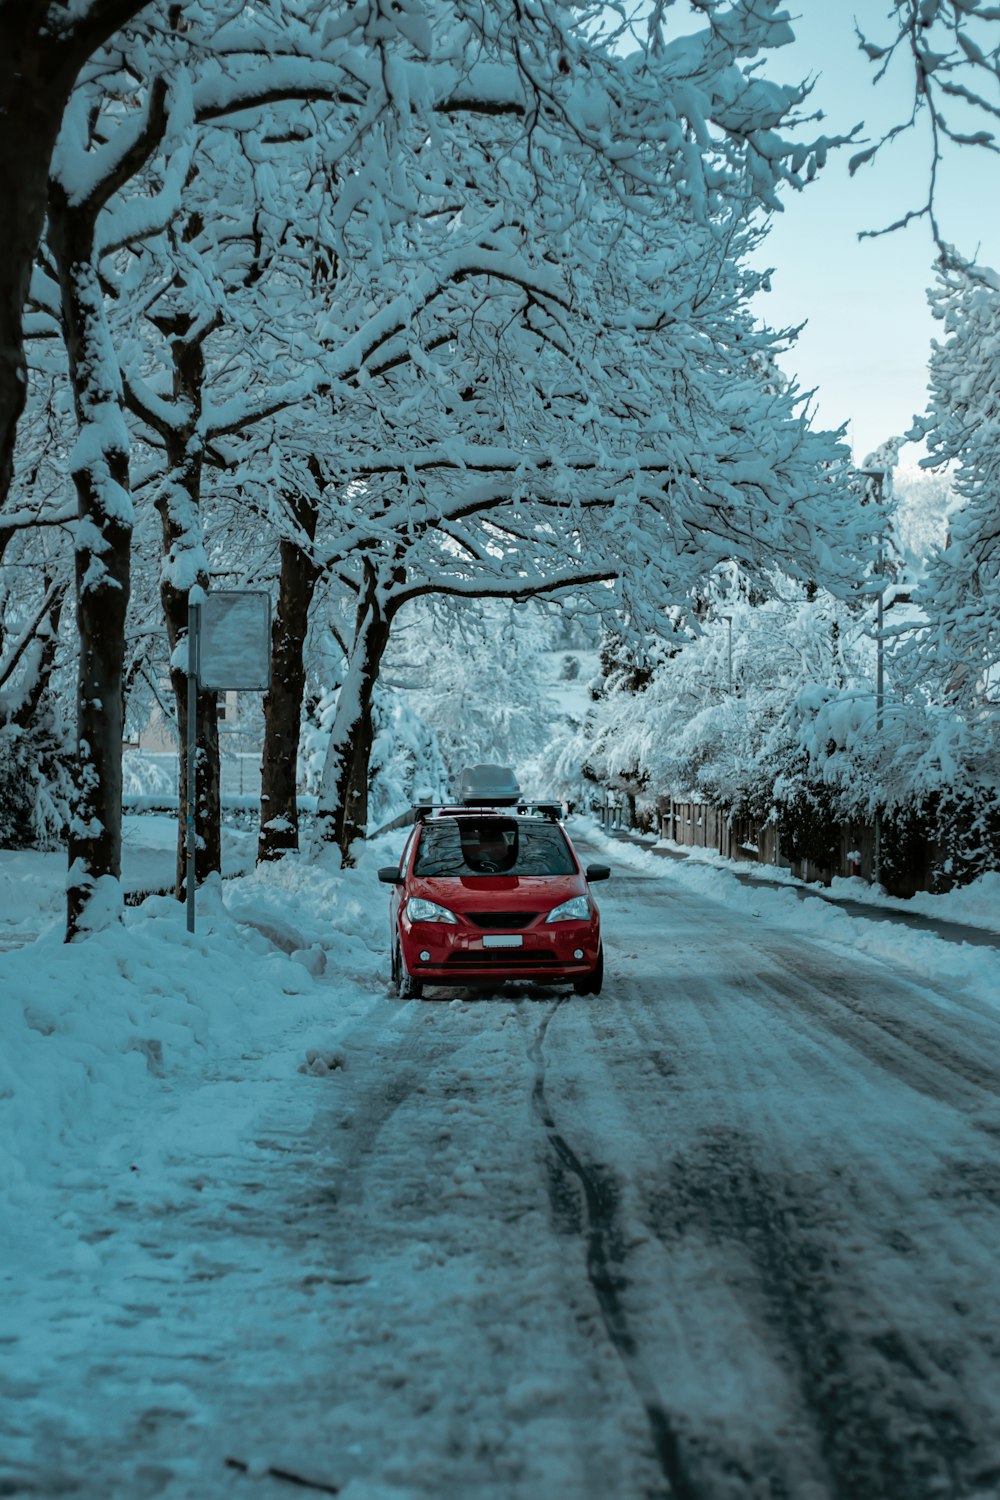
488,786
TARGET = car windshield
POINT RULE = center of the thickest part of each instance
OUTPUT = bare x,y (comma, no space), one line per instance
492,846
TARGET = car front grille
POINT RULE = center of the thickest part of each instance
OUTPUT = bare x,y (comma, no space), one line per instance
501,918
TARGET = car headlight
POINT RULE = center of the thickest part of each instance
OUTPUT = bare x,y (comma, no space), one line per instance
575,910
419,910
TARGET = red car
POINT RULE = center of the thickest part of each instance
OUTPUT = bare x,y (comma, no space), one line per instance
484,895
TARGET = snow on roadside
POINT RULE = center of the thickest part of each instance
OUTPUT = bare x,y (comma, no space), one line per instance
100,1036
974,905
33,883
972,969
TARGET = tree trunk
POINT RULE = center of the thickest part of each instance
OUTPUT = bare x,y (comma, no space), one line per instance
184,565
343,803
33,93
100,470
103,559
279,810
94,844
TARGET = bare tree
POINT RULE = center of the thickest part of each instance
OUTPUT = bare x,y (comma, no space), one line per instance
952,48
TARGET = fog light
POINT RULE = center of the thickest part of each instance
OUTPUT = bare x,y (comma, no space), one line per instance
425,957
577,952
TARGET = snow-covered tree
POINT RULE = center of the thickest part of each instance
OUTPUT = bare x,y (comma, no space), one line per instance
43,46
669,448
474,677
36,627
961,592
553,221
949,752
703,716
406,759
920,525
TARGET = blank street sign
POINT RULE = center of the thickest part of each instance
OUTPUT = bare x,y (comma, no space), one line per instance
235,645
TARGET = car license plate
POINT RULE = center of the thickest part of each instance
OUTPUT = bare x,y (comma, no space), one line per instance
503,940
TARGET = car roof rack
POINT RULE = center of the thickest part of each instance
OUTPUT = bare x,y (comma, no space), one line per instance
551,811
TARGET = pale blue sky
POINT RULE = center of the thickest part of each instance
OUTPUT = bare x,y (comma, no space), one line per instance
869,328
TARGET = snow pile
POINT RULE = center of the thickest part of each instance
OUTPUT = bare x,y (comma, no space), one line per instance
32,890
973,905
159,1094
99,1034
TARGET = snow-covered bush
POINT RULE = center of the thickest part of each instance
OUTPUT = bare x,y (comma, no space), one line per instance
145,775
16,798
707,715
783,725
967,834
34,784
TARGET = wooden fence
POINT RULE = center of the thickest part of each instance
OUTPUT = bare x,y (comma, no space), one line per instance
699,825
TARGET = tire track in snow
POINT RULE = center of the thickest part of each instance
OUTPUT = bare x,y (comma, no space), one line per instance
384,1087
886,1412
605,1260
899,1043
885,1391
884,1404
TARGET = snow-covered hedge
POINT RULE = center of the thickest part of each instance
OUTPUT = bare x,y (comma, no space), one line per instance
786,728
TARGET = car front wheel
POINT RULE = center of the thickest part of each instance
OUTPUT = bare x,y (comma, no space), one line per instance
591,983
404,984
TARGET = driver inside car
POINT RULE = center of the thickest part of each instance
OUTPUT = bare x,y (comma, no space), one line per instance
493,853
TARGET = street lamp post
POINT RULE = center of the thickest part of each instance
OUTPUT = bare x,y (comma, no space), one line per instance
879,705
728,850
195,599
729,652
878,478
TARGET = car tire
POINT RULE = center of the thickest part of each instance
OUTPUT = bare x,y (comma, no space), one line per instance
591,983
404,984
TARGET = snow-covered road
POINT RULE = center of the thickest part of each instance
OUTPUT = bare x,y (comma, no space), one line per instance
728,1231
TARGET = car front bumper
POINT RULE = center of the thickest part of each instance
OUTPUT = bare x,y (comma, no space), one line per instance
458,955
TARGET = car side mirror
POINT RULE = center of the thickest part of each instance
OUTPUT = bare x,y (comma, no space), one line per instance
389,875
598,872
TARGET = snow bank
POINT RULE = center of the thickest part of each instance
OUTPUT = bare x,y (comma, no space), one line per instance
101,1036
976,904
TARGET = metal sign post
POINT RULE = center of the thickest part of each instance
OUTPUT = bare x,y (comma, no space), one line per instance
229,649
194,633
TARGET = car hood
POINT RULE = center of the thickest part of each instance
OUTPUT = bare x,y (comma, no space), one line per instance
462,893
